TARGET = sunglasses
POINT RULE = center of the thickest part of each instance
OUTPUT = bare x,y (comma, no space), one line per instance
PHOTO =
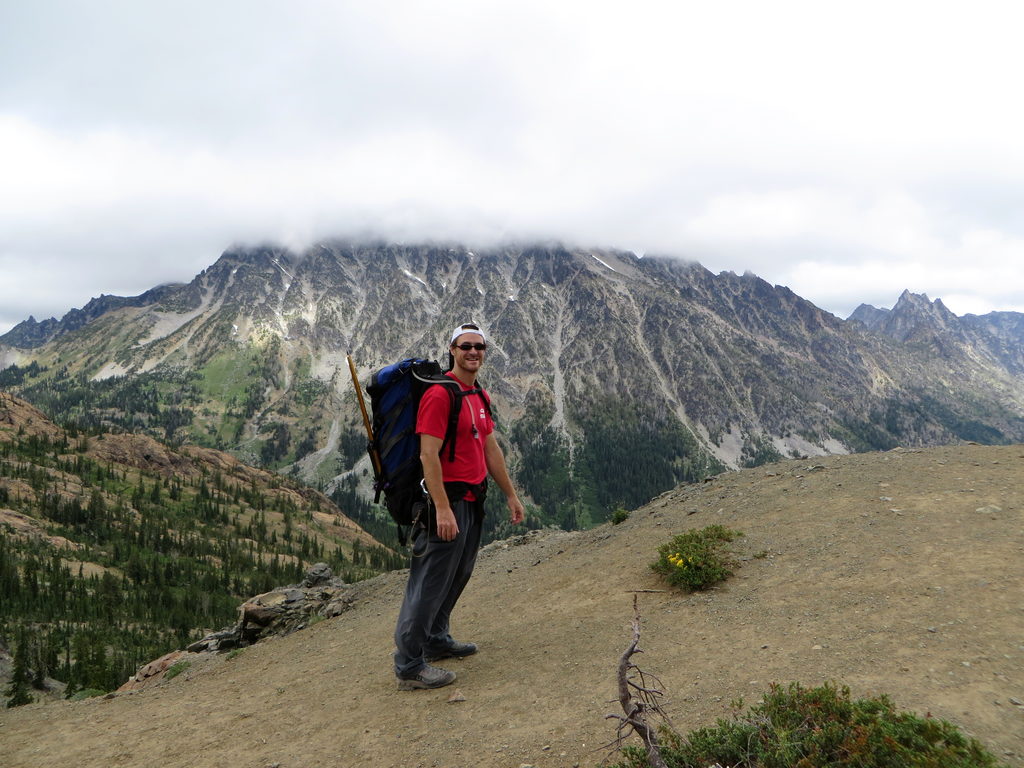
466,346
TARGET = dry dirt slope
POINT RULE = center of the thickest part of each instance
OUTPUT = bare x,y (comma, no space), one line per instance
897,572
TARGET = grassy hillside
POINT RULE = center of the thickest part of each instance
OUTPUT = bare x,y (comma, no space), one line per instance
115,548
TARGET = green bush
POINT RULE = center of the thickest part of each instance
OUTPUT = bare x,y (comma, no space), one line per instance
620,515
797,727
86,693
696,559
176,669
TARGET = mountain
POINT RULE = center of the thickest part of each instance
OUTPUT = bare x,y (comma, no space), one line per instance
614,377
115,548
996,338
915,595
31,333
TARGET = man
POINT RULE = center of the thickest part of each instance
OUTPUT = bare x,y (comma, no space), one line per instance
444,551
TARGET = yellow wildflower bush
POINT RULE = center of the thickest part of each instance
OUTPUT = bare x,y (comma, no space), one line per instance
696,560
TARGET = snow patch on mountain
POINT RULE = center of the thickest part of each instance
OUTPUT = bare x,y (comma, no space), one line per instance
110,370
411,276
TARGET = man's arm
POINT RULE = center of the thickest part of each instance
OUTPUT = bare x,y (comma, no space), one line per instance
497,469
430,458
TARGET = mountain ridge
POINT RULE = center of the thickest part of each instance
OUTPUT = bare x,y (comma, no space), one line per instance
917,320
596,354
31,333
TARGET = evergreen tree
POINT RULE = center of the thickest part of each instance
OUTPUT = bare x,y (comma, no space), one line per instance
18,689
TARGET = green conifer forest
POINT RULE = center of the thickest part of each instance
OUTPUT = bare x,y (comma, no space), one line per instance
105,566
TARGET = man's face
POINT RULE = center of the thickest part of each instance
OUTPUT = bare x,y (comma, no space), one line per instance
468,359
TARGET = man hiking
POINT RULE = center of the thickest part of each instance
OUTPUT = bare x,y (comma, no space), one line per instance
445,548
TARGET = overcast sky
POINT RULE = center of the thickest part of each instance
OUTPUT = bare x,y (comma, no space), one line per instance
848,150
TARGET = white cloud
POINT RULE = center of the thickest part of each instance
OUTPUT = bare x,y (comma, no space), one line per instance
808,142
981,273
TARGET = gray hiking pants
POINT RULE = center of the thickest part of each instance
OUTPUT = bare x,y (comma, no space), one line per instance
439,572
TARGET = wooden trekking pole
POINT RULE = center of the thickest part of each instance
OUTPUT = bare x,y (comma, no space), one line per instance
370,447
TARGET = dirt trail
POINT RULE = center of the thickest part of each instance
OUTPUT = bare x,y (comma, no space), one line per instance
895,572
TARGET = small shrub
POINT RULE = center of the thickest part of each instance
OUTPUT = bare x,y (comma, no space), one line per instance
797,727
234,654
85,693
620,515
176,669
696,559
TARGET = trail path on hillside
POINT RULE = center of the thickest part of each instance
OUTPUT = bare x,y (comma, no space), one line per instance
895,572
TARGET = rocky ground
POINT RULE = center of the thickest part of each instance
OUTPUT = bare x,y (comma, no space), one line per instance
895,572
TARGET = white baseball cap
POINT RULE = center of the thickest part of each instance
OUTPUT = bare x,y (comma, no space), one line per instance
467,328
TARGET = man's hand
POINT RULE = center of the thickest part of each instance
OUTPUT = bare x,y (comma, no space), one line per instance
447,528
515,509
496,466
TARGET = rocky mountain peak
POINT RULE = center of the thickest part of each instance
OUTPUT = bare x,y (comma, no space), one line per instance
869,316
654,365
915,315
916,320
31,333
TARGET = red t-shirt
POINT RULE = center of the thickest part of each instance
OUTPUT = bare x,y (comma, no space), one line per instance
470,465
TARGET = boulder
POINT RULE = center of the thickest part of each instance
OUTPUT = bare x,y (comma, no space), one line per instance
152,672
282,611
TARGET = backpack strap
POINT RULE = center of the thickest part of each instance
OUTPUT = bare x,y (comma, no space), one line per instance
454,411
455,398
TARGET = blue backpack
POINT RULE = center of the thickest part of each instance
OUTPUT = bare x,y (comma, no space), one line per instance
395,393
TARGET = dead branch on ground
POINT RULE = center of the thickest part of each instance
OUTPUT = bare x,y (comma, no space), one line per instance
640,697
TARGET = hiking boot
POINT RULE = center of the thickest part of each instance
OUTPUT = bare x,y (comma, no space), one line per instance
427,677
456,650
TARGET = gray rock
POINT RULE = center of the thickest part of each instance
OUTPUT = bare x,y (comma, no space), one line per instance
319,574
282,611
224,640
989,509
